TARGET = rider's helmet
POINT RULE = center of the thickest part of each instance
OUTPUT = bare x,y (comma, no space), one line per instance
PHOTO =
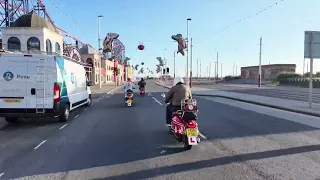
177,80
142,79
129,80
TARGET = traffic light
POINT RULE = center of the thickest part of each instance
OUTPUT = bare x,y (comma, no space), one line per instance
167,70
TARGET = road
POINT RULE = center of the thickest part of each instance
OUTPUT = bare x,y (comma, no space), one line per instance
111,141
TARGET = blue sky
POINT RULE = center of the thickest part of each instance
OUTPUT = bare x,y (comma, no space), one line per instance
152,22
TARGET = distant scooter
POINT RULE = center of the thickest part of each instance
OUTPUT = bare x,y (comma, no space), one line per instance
142,91
129,98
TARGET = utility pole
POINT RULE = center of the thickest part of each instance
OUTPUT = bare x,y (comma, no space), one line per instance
99,44
221,70
233,69
191,63
209,75
217,75
187,69
197,68
260,62
200,68
174,64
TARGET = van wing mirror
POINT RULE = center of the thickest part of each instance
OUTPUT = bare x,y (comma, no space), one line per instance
89,83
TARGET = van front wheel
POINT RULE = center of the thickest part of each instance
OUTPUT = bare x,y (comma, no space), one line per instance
65,115
11,120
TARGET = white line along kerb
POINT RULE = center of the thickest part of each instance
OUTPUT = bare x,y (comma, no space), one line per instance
76,116
40,144
203,136
157,101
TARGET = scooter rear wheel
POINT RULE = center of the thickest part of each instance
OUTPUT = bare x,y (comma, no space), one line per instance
186,144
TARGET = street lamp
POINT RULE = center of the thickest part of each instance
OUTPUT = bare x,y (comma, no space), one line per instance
174,64
99,46
165,63
187,78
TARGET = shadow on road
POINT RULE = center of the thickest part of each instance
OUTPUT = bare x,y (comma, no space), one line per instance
213,162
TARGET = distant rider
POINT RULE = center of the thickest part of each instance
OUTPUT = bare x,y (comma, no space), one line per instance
176,94
142,84
128,86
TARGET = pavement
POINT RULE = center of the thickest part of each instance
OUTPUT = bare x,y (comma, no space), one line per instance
111,141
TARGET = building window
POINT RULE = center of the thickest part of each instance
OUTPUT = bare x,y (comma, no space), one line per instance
14,43
48,46
57,48
33,43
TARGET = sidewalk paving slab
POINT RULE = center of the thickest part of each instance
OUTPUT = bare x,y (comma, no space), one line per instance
282,104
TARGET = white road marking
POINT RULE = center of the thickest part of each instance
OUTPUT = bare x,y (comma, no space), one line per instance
63,126
76,116
1,174
149,94
113,90
203,136
40,144
85,109
157,101
163,151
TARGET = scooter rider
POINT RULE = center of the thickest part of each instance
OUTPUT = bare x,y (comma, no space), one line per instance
128,86
178,92
142,84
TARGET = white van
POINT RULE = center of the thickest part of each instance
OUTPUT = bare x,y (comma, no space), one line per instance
37,84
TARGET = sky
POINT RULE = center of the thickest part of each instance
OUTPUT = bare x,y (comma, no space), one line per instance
152,22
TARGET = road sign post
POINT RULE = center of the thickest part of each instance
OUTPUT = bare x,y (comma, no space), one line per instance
311,50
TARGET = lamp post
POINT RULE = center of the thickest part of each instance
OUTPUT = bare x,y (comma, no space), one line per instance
99,46
174,64
165,63
187,78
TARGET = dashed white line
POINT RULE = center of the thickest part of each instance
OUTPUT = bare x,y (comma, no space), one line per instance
76,116
157,101
1,174
63,126
85,109
203,136
40,144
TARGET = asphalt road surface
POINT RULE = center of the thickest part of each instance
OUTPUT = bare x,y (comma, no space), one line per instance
111,141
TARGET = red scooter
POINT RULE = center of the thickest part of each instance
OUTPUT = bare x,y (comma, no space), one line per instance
142,92
184,126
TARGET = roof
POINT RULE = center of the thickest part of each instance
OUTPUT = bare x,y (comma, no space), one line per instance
32,19
269,65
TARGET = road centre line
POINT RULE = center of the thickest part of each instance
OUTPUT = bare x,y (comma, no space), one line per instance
40,144
157,101
63,126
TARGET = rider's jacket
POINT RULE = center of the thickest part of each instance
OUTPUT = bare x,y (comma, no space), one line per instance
128,85
178,93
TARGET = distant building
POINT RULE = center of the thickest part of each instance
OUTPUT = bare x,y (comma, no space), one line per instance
268,72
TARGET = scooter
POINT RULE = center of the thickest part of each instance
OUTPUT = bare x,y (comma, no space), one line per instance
183,125
142,92
129,98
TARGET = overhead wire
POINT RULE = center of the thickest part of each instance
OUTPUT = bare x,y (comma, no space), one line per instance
222,30
76,24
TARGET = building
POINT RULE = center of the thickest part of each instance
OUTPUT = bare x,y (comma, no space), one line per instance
32,32
268,72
